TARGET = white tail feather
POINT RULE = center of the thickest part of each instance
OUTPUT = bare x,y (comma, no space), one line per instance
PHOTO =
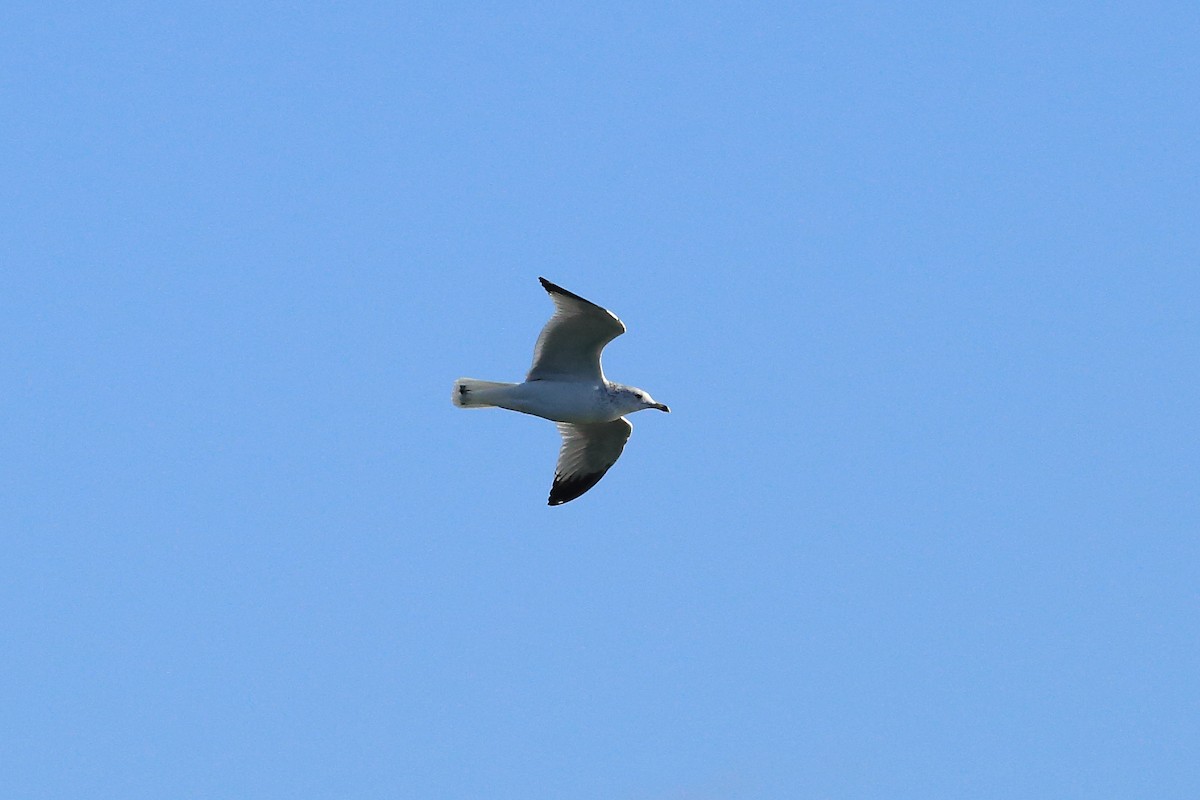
471,393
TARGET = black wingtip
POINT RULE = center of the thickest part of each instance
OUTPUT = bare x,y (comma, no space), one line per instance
565,490
554,288
550,286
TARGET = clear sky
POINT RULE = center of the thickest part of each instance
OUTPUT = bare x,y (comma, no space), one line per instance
919,282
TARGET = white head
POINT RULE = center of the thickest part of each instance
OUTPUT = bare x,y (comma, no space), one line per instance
633,399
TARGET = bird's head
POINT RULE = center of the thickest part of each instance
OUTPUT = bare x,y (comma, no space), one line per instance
637,399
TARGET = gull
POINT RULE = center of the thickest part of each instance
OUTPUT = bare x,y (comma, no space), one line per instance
567,386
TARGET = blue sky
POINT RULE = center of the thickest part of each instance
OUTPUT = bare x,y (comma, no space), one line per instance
918,281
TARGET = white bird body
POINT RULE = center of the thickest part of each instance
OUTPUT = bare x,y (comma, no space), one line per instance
567,386
557,401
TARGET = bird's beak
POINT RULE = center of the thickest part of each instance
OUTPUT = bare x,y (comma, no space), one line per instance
662,407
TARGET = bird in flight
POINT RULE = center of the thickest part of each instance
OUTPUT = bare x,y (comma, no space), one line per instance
567,386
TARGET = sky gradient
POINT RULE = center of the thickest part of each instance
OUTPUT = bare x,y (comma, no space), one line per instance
918,281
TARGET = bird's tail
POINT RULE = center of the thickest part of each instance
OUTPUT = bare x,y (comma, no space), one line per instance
470,393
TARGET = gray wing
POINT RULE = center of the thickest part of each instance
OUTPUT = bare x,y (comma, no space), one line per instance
586,454
568,348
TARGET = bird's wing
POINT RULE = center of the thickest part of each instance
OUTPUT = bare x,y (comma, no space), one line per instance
568,348
586,454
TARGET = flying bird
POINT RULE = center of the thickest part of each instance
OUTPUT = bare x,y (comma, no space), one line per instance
567,386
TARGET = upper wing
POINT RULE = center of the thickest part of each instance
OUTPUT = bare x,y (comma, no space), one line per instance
568,348
586,454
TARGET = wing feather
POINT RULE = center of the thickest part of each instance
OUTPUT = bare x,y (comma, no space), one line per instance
569,346
586,454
